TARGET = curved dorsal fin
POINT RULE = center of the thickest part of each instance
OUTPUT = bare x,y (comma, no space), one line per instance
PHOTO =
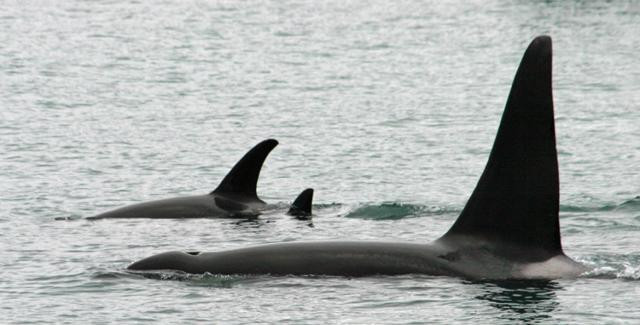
243,177
516,199
301,207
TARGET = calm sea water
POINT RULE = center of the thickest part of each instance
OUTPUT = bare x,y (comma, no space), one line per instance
387,109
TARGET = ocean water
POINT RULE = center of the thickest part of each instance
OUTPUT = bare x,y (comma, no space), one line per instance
387,109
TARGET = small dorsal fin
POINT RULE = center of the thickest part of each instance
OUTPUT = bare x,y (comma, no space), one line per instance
301,207
516,199
243,177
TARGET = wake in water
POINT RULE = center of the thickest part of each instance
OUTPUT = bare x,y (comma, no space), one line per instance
206,279
631,205
397,210
613,266
400,210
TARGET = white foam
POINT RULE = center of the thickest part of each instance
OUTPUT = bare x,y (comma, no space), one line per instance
556,267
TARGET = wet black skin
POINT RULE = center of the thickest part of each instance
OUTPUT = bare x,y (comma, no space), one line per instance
234,197
509,228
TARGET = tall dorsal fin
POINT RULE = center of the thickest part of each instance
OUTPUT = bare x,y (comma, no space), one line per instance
516,198
301,207
243,177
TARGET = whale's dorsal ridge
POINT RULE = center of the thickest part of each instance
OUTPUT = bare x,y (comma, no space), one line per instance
243,177
230,205
516,200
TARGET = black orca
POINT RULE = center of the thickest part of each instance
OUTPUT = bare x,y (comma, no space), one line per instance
301,207
508,229
234,197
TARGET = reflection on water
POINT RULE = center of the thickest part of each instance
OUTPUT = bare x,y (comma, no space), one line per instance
251,222
528,301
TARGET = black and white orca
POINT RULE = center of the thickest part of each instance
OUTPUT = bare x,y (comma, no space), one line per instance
235,196
509,228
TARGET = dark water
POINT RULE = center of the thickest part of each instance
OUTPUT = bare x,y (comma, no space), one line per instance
387,109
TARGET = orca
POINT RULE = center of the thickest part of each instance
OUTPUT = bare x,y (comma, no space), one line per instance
301,207
235,196
509,228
